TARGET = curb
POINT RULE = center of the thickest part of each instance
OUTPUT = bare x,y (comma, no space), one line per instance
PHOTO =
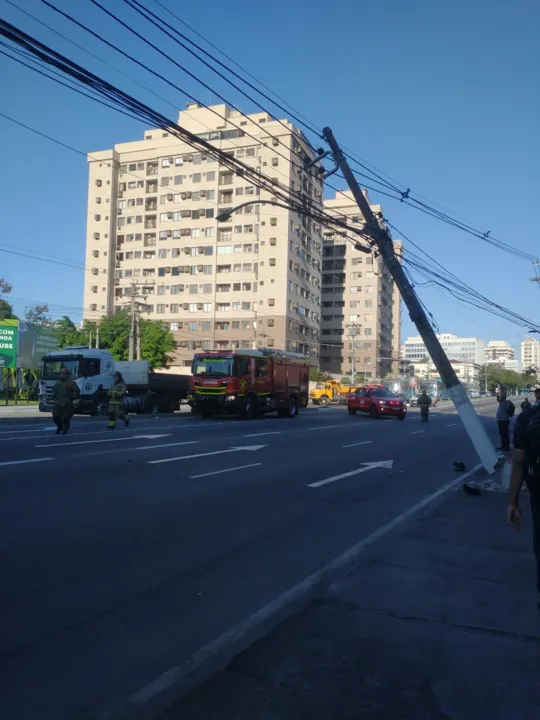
156,697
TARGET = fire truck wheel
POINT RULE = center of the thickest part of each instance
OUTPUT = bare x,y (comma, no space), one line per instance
291,411
249,410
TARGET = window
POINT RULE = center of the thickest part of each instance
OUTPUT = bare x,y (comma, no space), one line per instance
196,177
271,302
211,176
272,261
273,241
369,303
160,308
369,288
273,221
274,162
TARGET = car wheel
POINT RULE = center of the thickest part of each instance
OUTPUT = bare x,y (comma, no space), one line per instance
373,411
352,411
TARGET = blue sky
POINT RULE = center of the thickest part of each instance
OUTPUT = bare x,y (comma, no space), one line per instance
441,96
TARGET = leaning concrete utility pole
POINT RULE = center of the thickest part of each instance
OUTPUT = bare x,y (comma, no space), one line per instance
385,246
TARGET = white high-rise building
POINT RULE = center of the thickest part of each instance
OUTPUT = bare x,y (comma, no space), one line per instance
530,355
467,350
252,281
499,352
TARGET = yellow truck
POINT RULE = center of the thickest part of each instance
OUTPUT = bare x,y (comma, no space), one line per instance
323,393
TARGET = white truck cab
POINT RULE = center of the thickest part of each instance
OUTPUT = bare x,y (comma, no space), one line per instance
92,370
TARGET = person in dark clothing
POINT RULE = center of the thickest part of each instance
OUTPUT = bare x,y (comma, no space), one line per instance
526,468
503,422
65,392
424,403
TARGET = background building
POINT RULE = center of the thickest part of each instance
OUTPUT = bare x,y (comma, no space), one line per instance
152,231
530,355
467,350
499,351
467,372
361,309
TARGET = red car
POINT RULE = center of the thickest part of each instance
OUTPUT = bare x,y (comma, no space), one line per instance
376,400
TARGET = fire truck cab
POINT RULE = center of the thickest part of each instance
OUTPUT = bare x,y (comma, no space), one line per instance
249,383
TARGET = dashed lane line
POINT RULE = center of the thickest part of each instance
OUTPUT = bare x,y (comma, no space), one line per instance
366,442
23,462
226,470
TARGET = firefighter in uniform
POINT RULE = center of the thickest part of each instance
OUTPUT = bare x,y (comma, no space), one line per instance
64,393
424,403
117,408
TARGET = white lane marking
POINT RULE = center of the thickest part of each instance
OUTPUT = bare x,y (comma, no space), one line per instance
25,432
416,432
366,442
23,462
180,425
368,466
163,445
263,433
326,427
451,425
216,452
227,470
109,440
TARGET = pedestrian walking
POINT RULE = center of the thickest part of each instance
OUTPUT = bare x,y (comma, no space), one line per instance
505,411
526,468
117,408
424,403
65,391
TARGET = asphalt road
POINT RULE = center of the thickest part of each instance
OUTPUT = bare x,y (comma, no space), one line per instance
123,553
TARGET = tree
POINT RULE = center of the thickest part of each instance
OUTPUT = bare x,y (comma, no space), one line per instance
315,375
157,342
38,315
6,310
68,333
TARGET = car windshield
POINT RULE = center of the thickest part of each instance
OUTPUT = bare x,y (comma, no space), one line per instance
52,367
319,386
213,366
382,393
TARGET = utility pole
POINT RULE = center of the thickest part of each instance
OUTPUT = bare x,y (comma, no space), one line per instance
97,336
90,339
352,334
385,247
131,355
138,335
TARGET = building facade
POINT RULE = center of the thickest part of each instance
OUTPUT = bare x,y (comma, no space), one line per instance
530,355
466,350
152,233
499,352
361,308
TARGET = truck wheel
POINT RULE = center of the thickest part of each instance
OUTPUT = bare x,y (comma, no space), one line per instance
352,411
249,410
325,401
150,407
291,411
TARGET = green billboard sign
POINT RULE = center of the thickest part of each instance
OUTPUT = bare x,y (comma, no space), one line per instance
9,331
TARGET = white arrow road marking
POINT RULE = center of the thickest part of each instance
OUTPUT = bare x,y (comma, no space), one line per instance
22,462
119,439
369,466
216,452
227,470
366,442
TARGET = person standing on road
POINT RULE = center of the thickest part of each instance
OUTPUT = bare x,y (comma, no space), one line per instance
117,408
65,391
424,403
537,396
526,405
505,411
526,467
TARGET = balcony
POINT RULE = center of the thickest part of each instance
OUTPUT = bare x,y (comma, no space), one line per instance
150,222
150,204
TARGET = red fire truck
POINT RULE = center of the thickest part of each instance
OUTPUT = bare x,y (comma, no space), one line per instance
249,383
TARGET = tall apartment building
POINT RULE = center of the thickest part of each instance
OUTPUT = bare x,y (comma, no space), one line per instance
465,350
253,281
530,355
361,308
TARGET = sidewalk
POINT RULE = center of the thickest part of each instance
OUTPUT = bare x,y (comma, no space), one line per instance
439,622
